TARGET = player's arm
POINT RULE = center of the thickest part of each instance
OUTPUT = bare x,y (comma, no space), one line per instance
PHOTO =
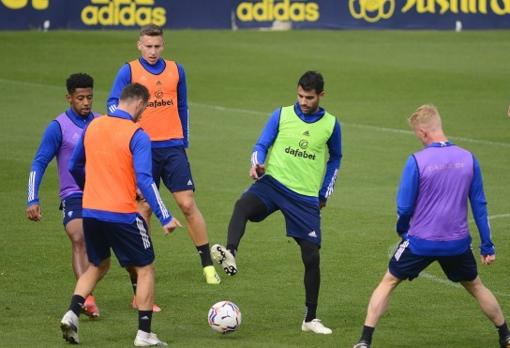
407,194
142,161
480,214
182,104
122,79
335,157
77,161
265,141
50,144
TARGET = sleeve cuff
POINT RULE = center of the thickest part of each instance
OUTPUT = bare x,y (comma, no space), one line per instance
487,249
32,202
165,221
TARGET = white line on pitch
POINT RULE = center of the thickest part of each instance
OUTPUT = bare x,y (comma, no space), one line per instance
499,216
492,217
402,131
260,113
436,279
362,126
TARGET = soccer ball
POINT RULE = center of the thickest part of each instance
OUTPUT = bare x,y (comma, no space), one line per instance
224,317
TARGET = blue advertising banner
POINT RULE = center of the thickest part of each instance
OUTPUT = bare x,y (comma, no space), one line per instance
373,14
239,14
114,14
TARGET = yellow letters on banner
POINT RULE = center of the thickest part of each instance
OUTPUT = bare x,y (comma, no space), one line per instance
498,7
19,4
271,10
123,12
372,10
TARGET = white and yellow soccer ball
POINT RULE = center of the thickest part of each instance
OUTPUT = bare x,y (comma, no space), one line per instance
224,317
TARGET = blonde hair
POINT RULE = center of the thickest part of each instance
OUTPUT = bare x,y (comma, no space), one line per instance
426,116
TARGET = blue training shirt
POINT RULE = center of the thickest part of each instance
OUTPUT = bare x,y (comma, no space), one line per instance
270,132
48,149
123,79
142,163
408,192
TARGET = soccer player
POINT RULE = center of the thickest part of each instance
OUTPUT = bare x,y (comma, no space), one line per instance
113,157
166,122
59,140
294,181
432,220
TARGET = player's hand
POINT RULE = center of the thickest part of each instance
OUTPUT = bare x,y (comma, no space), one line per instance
34,212
508,111
322,204
257,171
171,226
488,259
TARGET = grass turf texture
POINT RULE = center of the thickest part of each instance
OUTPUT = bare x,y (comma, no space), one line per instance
374,80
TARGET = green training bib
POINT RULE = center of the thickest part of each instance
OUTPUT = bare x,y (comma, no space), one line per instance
298,156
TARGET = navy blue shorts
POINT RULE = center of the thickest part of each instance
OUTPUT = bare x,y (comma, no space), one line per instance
171,165
71,209
130,242
302,218
406,265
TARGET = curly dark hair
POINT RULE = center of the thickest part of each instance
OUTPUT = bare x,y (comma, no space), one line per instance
79,80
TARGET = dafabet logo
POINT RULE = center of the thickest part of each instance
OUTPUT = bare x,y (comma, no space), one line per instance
274,10
123,12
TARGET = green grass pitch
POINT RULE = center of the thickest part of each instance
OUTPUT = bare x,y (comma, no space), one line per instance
374,80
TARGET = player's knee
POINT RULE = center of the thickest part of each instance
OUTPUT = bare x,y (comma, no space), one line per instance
145,272
473,286
390,280
312,260
188,207
245,209
77,240
74,230
310,255
241,207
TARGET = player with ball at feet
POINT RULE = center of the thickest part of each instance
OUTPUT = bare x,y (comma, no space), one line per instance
294,181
